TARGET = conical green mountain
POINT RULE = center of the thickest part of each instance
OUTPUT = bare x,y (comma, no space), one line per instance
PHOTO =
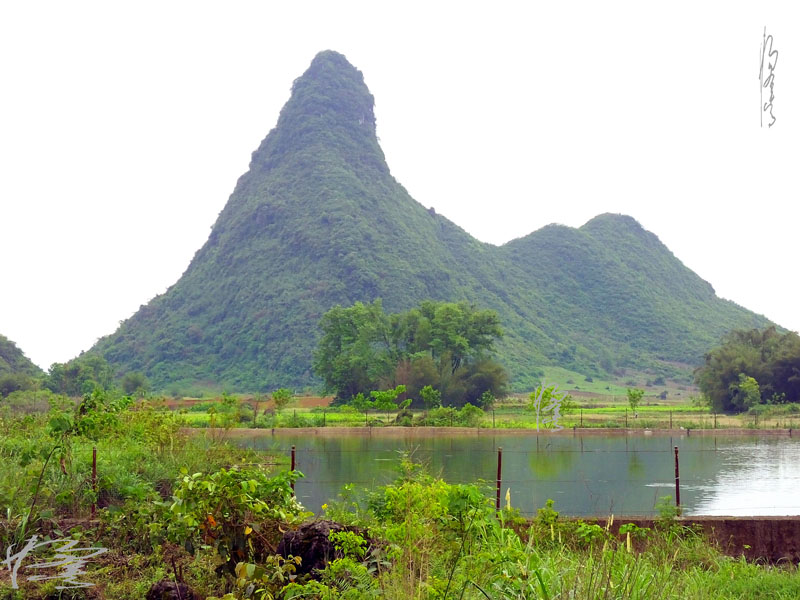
13,361
318,220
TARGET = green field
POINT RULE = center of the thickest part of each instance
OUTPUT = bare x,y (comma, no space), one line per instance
513,412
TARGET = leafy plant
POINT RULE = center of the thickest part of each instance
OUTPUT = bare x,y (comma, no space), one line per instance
281,397
589,533
349,543
634,398
237,511
547,515
265,581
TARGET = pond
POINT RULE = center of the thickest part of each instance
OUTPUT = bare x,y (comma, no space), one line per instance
585,474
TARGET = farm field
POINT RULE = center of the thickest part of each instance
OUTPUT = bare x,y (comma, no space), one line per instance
586,411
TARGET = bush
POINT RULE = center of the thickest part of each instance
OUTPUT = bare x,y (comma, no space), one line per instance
223,509
470,416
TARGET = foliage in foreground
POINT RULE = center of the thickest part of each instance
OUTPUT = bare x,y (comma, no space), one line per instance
173,507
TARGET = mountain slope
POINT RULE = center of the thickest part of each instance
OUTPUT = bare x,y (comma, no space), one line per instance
617,293
318,220
13,361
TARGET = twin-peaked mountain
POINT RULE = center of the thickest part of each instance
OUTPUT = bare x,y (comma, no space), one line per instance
318,220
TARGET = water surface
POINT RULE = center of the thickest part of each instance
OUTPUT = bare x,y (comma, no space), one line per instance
586,475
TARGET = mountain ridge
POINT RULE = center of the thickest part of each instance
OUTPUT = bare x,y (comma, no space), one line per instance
13,360
318,220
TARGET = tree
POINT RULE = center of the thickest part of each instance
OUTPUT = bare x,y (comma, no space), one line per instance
257,399
635,398
457,332
80,376
385,400
13,382
769,358
486,400
354,352
442,344
745,393
480,377
281,397
430,397
135,383
360,402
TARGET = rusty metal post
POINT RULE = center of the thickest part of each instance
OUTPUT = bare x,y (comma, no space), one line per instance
293,464
499,477
94,479
677,482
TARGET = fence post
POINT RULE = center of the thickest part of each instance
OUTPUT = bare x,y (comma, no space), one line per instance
324,417
677,483
499,477
492,418
715,420
581,418
670,419
94,479
626,418
293,464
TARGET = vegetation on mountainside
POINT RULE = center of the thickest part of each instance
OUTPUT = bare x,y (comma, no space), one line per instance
318,221
752,368
443,345
17,372
12,360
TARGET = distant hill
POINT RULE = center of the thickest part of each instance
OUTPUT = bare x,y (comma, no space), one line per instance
13,361
318,220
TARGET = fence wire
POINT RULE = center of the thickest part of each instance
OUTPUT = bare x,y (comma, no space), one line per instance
601,489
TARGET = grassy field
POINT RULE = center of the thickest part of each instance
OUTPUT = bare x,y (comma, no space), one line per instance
587,410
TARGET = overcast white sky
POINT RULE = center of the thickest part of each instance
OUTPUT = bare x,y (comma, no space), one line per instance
124,127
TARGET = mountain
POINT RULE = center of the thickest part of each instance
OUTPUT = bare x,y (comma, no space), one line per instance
13,361
318,220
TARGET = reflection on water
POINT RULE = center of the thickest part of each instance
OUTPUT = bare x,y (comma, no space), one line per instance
585,475
761,479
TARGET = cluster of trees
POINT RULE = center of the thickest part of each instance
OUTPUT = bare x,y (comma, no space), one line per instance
78,377
751,367
444,345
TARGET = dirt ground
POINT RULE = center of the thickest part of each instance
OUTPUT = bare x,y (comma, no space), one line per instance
771,539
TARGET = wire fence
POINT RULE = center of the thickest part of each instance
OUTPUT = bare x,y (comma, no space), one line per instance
584,481
513,417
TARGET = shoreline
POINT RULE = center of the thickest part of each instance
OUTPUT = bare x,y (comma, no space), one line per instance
488,431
